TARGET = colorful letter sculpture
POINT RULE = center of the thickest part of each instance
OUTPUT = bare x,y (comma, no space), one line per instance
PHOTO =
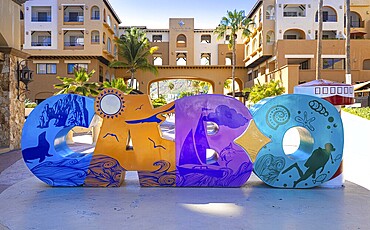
318,156
216,138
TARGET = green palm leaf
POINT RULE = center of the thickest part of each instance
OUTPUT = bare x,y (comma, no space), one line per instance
134,49
78,84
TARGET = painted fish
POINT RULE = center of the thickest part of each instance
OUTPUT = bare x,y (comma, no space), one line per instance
339,157
321,178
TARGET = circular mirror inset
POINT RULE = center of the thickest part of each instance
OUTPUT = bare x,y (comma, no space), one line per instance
110,104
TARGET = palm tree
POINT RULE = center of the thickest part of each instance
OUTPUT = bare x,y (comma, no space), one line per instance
134,48
319,40
78,84
348,43
118,83
233,22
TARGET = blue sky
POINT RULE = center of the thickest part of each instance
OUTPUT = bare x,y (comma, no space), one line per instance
155,13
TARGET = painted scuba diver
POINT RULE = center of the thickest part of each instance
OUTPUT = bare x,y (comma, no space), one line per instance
317,160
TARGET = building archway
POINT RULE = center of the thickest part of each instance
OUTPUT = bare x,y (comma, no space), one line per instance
228,87
192,84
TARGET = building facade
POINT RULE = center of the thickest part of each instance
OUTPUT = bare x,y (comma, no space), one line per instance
61,35
283,43
188,53
11,58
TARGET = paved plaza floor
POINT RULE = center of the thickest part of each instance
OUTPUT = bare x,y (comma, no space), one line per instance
27,203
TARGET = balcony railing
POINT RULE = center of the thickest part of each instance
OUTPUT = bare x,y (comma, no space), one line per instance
74,19
70,44
40,43
328,18
41,19
294,14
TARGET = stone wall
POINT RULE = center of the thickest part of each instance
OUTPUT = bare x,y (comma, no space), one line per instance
11,109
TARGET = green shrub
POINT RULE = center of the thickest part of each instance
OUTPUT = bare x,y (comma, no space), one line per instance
270,89
185,94
158,102
361,112
29,104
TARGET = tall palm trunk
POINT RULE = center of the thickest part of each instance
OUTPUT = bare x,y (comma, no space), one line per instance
319,41
132,71
233,64
348,43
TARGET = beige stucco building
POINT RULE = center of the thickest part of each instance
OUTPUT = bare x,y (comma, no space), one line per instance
188,53
63,34
283,43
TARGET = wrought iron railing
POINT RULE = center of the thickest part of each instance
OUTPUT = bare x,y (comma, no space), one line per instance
74,19
68,44
40,43
41,19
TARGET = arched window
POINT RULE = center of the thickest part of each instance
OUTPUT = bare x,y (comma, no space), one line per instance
115,51
109,22
95,37
95,13
229,58
260,40
107,76
104,15
270,37
270,13
260,15
181,59
206,38
247,52
205,59
328,15
157,59
254,44
356,20
109,48
255,22
115,30
294,34
181,41
366,64
227,39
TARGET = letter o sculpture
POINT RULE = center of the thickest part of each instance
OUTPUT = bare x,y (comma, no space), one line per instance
319,153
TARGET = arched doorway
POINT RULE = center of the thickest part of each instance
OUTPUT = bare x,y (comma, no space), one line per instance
228,85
